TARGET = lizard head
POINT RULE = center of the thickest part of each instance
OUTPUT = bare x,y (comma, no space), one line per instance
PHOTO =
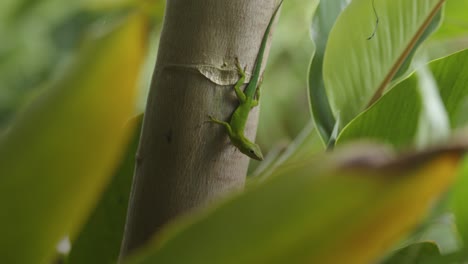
252,150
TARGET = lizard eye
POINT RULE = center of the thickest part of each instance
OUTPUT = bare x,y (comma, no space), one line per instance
251,151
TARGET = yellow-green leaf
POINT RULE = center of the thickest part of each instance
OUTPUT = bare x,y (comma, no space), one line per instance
459,198
100,239
58,155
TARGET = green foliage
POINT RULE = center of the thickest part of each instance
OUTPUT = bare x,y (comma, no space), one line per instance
323,22
56,158
404,107
32,51
62,156
283,110
405,103
352,80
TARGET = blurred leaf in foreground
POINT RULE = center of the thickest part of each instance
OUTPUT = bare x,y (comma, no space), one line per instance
99,241
58,155
344,208
459,199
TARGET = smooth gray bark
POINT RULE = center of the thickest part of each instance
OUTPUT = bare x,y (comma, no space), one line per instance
183,161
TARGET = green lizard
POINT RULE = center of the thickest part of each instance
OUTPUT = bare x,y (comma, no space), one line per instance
248,99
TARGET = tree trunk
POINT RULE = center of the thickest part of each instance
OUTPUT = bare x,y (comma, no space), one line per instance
183,161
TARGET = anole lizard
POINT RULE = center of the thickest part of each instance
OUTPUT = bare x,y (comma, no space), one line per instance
248,99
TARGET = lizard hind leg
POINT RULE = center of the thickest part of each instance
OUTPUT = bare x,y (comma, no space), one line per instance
240,94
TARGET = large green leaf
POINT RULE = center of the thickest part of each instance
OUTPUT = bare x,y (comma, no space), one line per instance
340,209
324,19
410,114
405,115
99,241
357,70
58,156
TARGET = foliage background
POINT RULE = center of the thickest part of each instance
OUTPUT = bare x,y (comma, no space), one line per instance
38,39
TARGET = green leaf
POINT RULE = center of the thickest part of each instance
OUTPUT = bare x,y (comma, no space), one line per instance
451,75
99,241
58,155
324,19
405,67
417,253
412,113
393,119
404,114
357,70
340,209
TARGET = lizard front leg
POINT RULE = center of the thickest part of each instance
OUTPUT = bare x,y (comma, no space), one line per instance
224,124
